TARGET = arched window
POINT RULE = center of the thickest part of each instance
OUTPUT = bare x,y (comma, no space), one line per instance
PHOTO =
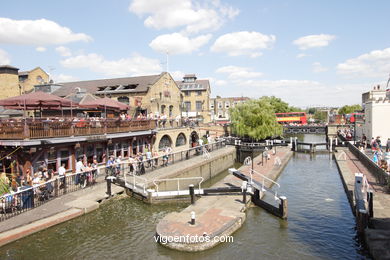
165,142
180,140
124,100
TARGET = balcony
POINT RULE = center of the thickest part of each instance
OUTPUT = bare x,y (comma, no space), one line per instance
40,129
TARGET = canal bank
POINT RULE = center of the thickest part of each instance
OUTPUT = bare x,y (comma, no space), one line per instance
81,202
320,225
377,234
218,215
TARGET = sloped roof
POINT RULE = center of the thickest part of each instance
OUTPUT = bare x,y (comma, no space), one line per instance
81,98
201,84
118,85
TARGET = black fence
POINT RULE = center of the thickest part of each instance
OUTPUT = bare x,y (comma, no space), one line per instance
29,197
380,175
139,166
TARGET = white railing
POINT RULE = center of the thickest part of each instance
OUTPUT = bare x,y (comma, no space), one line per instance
142,183
264,178
156,183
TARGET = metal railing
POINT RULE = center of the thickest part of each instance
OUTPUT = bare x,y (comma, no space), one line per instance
180,190
380,175
29,197
38,128
264,178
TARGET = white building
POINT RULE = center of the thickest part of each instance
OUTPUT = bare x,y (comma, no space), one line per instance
376,105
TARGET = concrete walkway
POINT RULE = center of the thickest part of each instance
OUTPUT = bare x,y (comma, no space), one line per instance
80,202
217,215
378,235
54,212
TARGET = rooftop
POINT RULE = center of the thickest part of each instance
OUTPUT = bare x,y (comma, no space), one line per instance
107,86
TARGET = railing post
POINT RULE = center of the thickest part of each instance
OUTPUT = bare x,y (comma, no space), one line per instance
65,184
192,193
283,207
56,185
192,217
244,188
109,193
370,199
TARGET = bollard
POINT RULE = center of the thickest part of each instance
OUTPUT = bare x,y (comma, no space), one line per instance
244,188
108,187
370,199
336,141
192,193
330,144
192,217
295,142
283,207
56,187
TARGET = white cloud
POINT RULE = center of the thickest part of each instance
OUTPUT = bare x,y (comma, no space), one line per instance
40,49
64,51
243,43
177,75
301,55
37,32
176,43
314,41
238,73
317,67
64,78
192,15
373,64
4,58
132,66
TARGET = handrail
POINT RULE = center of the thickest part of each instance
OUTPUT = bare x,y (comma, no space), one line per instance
178,182
264,177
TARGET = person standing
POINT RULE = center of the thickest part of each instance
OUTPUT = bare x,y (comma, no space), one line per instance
388,144
61,174
79,170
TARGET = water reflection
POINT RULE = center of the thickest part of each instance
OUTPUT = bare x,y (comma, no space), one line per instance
320,225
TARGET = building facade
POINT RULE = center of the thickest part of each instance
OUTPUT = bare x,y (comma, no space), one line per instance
220,106
14,83
157,94
376,105
196,98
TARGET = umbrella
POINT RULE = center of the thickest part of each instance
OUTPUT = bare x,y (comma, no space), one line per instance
106,103
35,100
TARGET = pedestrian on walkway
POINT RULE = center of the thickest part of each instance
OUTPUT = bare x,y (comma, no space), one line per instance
388,144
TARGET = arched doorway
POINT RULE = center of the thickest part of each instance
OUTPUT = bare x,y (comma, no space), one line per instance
165,141
181,140
194,137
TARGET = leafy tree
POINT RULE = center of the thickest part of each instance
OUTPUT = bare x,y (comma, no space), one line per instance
349,109
279,105
320,115
312,110
256,118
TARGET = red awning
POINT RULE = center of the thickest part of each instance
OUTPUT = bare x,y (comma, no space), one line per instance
107,103
36,100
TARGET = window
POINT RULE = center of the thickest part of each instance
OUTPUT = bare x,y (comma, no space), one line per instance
181,140
124,100
198,93
227,104
187,106
170,111
187,93
220,114
198,106
165,142
220,104
65,158
212,105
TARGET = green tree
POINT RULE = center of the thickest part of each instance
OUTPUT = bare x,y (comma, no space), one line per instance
320,116
349,109
312,110
255,119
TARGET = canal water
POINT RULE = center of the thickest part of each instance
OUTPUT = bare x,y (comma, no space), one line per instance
320,225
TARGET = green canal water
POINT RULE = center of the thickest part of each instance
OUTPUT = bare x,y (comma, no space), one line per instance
320,225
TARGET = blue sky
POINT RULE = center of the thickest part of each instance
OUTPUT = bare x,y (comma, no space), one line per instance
303,51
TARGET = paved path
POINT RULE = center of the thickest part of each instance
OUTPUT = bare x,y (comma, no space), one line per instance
216,215
77,203
378,235
54,212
